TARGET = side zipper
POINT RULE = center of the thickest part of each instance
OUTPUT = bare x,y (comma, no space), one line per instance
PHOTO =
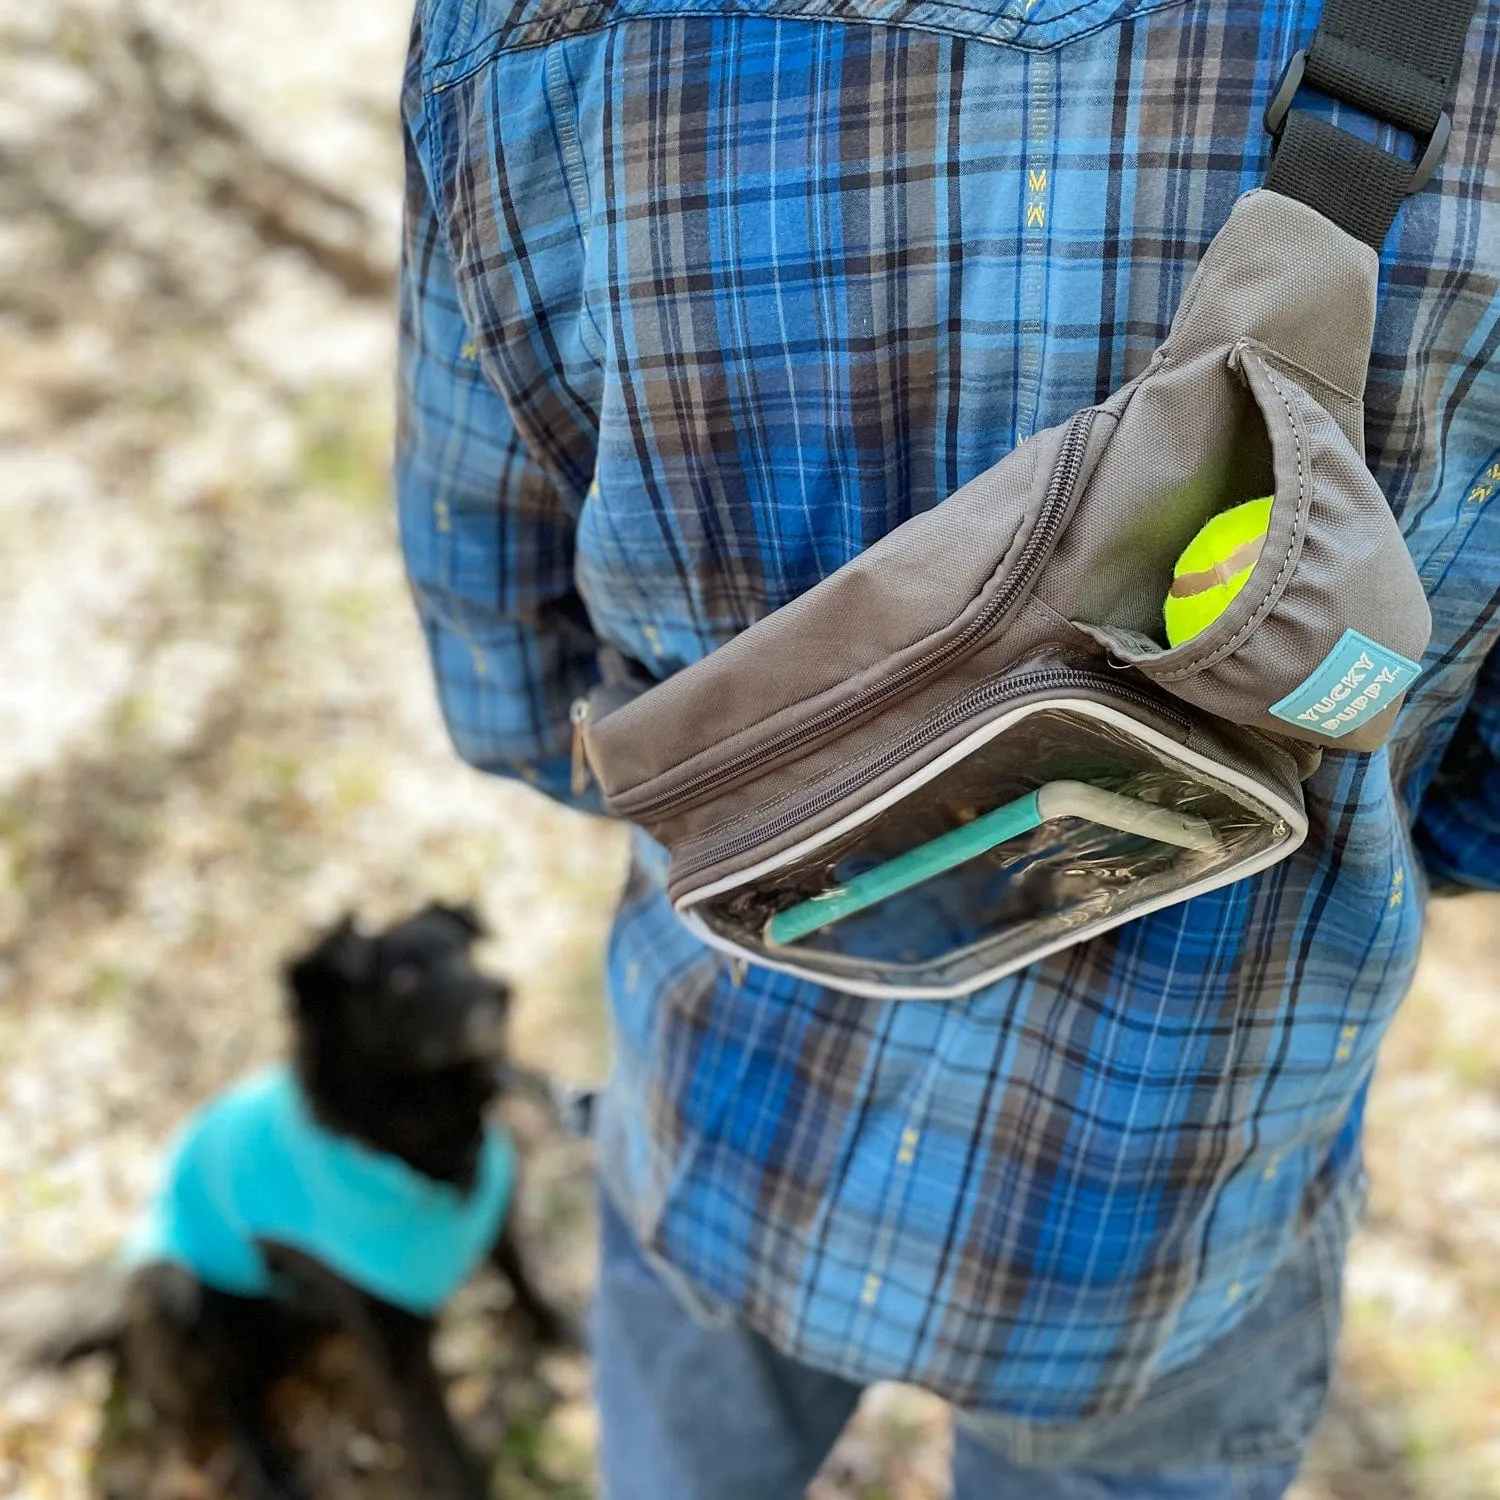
581,777
1056,506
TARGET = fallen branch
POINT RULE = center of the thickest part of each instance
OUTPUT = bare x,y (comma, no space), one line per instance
284,206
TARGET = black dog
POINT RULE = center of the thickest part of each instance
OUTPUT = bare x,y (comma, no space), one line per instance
397,1050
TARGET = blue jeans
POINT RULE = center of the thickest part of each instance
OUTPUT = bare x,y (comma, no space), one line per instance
698,1411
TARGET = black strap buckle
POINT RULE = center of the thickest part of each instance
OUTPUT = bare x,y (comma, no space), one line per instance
1291,80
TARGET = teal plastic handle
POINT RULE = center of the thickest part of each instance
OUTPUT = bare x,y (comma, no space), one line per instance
1057,799
906,870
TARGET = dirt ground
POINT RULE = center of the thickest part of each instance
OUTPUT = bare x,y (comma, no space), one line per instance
216,731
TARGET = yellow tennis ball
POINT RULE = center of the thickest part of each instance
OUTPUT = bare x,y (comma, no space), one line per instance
1213,568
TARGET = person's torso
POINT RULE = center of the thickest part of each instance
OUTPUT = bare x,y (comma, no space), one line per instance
759,282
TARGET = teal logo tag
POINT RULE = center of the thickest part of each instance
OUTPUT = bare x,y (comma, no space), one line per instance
1354,682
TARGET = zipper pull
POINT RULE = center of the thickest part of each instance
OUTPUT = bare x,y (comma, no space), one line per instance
579,714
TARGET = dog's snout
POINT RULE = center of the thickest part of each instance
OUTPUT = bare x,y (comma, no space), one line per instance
484,1030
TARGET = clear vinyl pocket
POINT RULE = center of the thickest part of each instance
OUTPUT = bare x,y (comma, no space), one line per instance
1061,803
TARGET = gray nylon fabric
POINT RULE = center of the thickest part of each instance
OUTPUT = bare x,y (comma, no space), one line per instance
905,592
1255,391
1333,558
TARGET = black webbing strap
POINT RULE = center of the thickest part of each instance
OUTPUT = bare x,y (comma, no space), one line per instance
1392,59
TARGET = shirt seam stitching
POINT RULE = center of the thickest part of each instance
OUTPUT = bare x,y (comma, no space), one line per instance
497,43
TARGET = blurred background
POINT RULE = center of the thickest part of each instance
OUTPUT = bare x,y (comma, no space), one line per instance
216,730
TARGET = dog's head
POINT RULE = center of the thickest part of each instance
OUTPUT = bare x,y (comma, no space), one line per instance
406,999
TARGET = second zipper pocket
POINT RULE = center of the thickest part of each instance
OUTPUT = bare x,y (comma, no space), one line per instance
1051,804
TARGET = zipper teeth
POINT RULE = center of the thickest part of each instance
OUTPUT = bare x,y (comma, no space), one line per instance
984,697
1054,509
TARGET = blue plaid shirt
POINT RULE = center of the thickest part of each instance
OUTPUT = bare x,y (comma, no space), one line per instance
699,300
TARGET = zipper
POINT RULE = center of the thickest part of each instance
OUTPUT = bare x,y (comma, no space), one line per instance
988,695
1055,507
579,715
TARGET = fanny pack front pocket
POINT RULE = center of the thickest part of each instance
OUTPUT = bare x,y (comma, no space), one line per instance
1327,632
1048,805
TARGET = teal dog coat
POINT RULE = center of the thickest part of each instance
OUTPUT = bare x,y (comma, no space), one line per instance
254,1165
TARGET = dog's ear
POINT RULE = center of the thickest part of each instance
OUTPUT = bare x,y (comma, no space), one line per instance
341,959
464,915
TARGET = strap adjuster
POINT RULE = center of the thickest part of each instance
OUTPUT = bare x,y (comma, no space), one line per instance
1291,80
1281,101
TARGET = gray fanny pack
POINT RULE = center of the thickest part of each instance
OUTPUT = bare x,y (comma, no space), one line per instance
971,746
